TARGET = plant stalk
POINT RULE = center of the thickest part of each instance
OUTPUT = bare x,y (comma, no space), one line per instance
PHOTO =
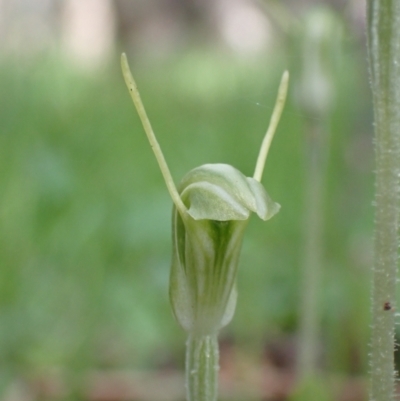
202,366
309,330
383,19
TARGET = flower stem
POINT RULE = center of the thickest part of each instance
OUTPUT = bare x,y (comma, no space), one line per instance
312,269
383,18
202,367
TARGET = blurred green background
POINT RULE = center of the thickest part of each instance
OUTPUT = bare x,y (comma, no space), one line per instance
85,214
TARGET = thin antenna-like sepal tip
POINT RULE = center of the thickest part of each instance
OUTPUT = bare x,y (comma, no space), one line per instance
285,77
126,72
134,92
276,115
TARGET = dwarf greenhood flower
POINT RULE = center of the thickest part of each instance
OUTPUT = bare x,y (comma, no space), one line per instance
211,209
207,242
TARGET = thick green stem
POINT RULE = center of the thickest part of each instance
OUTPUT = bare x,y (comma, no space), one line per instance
384,56
202,368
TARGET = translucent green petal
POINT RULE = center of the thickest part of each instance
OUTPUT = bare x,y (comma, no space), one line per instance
265,206
203,272
205,200
221,192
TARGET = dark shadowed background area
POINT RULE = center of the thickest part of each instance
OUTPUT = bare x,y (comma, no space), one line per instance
85,214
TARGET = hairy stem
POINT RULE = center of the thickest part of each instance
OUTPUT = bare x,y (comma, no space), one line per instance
384,56
202,365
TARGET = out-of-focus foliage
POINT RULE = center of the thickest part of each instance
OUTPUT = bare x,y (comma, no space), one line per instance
85,215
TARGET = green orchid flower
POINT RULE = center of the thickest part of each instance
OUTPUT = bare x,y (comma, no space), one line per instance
211,209
207,241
